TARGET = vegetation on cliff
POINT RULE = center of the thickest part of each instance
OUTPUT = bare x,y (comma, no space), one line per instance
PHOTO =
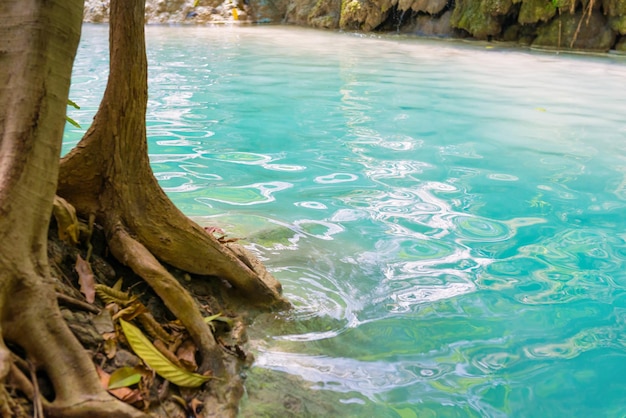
599,25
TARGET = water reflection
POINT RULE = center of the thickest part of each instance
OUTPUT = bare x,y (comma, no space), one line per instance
449,228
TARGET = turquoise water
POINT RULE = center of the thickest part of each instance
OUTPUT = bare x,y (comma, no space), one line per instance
448,219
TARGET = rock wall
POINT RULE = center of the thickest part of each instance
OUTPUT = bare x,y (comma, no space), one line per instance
591,25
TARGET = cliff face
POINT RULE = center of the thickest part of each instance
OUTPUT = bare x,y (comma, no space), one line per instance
592,25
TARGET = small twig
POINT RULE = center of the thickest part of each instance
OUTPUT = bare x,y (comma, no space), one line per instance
92,219
558,45
37,403
70,301
20,363
20,380
586,11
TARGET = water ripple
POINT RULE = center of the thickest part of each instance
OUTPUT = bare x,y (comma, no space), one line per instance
443,258
253,194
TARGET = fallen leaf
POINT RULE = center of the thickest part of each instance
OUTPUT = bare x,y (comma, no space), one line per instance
214,229
196,407
209,319
186,354
67,222
86,279
160,345
118,285
123,394
124,377
157,361
110,347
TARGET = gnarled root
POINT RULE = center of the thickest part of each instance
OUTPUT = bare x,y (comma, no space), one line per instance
32,321
132,253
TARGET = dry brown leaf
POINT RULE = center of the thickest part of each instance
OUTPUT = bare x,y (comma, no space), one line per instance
110,347
212,230
86,279
130,312
186,354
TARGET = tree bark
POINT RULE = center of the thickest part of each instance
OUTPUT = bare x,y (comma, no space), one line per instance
108,175
38,41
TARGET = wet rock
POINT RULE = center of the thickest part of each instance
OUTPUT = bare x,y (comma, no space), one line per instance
618,24
577,32
533,11
426,25
496,7
365,15
621,44
325,14
614,7
268,11
469,16
432,7
298,11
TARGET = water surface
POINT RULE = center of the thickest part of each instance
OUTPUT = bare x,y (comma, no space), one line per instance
448,219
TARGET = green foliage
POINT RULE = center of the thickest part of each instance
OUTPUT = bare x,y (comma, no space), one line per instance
124,377
70,120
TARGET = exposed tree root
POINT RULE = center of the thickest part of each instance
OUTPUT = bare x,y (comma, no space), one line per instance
108,176
38,41
53,349
174,296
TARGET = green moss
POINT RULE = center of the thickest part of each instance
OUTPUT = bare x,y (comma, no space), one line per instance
350,6
562,30
496,7
468,15
325,14
348,9
614,8
325,22
533,11
618,24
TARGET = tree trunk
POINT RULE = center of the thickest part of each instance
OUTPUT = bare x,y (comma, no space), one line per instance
38,41
108,175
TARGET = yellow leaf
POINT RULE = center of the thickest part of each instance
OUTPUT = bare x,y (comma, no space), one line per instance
157,361
209,319
124,377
